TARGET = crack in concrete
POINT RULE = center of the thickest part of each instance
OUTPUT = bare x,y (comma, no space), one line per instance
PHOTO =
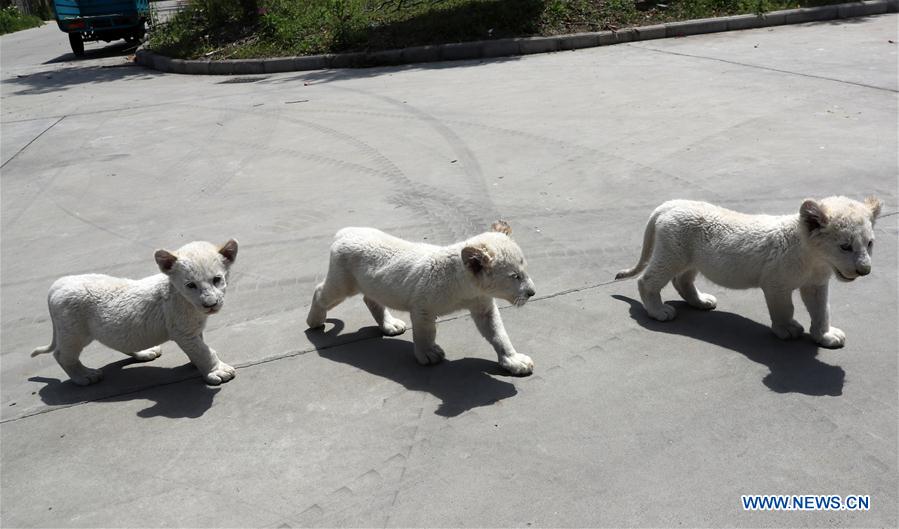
768,68
20,151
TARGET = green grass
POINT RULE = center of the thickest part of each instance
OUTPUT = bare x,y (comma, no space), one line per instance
11,19
222,29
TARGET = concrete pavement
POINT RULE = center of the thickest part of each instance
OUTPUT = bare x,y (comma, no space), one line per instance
625,422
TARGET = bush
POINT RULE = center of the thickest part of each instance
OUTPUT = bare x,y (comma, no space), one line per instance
203,25
313,26
11,19
224,29
711,8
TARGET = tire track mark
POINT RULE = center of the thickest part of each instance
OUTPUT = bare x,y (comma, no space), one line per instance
414,195
587,150
365,493
470,164
77,216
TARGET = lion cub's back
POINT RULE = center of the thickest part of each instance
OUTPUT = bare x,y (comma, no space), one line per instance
690,216
71,289
697,212
94,294
374,247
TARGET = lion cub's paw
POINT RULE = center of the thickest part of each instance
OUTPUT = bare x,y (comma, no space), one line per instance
87,376
706,302
788,331
833,339
432,355
222,373
148,354
316,317
393,327
517,364
664,313
314,324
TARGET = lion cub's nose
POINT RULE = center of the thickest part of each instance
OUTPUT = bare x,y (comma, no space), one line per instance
530,292
863,270
209,305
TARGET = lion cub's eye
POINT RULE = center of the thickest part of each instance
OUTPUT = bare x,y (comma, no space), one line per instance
191,285
846,247
515,276
217,280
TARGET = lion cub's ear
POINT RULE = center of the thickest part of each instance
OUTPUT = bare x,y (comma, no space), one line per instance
812,215
502,227
476,258
165,260
229,250
874,204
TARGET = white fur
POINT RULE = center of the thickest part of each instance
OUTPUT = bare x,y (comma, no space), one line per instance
778,254
136,316
429,281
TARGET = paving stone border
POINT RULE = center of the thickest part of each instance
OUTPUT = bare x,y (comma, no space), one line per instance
512,46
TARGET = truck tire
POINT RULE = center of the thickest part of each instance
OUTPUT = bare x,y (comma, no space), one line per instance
77,43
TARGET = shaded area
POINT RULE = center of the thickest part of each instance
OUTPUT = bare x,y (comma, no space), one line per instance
116,48
63,79
460,384
178,392
467,21
793,364
363,72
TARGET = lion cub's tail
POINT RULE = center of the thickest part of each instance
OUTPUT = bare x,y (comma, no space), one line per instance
47,348
42,350
648,243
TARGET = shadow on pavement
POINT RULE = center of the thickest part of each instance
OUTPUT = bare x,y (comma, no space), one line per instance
74,74
793,364
178,392
344,74
460,384
115,49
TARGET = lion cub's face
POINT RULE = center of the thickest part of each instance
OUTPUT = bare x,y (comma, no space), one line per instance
498,265
841,231
199,272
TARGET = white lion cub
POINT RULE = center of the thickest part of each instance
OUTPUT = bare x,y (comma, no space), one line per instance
136,316
779,254
429,281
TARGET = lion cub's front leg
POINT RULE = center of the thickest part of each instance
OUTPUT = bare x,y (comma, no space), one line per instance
780,307
424,334
205,359
490,325
815,299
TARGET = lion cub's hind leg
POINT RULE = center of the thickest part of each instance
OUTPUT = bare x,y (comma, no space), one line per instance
388,324
67,355
657,274
70,336
685,284
337,286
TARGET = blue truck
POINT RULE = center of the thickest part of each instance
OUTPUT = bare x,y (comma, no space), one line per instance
106,20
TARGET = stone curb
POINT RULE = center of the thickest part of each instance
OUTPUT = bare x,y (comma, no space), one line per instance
514,46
